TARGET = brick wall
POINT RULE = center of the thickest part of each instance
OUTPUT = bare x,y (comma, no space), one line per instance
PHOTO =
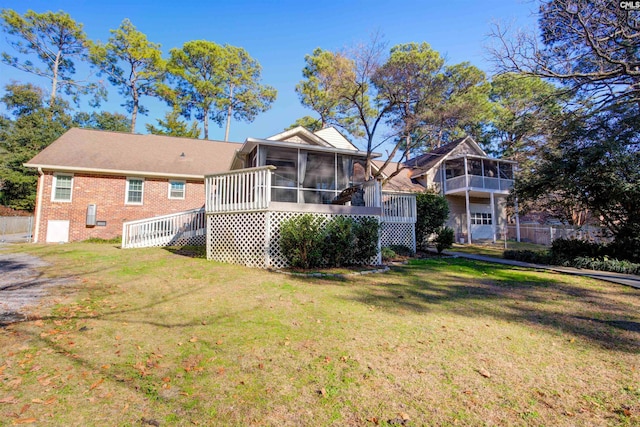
108,194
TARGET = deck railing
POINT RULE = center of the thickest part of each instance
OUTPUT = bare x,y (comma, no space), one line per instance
398,207
372,193
240,190
478,182
163,230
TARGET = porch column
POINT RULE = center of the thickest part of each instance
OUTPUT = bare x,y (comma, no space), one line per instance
515,205
468,214
494,219
466,174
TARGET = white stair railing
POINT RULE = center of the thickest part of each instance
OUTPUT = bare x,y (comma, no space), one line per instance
164,230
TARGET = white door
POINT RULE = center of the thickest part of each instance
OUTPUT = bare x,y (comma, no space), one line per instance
57,231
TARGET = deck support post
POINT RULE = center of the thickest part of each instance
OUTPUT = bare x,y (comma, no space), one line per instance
468,207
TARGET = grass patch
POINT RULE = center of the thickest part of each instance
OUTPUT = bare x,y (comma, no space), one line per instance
166,336
496,249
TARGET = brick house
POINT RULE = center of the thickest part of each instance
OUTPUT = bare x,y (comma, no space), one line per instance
156,190
91,182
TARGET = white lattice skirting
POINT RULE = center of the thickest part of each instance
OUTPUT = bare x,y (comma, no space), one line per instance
253,238
394,233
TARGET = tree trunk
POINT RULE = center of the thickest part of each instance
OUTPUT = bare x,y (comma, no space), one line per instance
136,98
134,113
229,111
54,80
205,124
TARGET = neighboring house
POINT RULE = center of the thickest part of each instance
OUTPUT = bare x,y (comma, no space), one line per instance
474,184
91,182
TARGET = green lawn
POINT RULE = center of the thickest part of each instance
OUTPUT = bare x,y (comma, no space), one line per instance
159,337
496,249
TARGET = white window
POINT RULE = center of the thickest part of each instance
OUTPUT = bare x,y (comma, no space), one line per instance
135,188
62,188
176,189
478,218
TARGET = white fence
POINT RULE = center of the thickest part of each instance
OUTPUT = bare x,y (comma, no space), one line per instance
182,228
12,225
544,235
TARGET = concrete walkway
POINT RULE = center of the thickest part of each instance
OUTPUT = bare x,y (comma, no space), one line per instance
608,276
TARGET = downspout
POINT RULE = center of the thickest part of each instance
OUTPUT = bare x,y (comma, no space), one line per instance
36,232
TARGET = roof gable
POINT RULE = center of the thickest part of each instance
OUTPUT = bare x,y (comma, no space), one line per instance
334,137
424,163
299,135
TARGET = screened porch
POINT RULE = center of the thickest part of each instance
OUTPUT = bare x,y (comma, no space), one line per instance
476,173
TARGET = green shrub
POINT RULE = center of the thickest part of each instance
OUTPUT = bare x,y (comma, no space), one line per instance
367,234
388,254
402,250
432,212
308,241
606,264
565,250
444,239
534,257
301,241
339,239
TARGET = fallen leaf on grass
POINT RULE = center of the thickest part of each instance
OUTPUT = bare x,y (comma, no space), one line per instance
96,384
25,421
484,373
193,339
10,400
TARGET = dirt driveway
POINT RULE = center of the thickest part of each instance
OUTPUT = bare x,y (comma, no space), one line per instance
23,286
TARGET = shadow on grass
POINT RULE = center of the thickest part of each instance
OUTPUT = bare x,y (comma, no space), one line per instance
188,251
599,314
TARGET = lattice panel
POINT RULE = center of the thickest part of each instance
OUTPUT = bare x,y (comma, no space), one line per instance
276,258
189,241
238,238
398,234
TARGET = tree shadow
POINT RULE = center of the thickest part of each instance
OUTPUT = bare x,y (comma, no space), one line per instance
602,314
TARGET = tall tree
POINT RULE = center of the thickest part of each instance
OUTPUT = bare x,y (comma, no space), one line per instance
340,86
243,97
57,41
308,123
33,126
173,126
590,47
196,72
132,63
102,120
408,93
592,51
526,109
324,75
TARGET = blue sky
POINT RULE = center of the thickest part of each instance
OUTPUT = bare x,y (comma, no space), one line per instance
280,33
